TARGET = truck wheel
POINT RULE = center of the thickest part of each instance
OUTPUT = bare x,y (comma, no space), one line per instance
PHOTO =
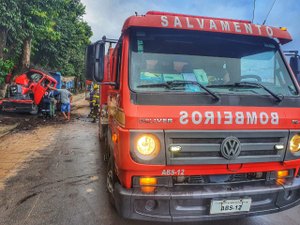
102,132
111,179
106,154
104,142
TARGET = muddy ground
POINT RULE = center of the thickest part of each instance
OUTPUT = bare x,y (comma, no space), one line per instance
26,135
26,121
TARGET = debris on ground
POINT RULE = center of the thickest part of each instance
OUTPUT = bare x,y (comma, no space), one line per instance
6,129
13,122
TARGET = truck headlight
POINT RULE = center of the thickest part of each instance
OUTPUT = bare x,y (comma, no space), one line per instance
147,146
295,143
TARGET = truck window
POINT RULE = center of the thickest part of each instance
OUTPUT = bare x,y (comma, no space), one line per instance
35,77
211,59
118,65
266,68
45,82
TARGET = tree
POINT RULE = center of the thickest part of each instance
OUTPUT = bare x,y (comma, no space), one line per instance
51,34
67,53
37,21
9,20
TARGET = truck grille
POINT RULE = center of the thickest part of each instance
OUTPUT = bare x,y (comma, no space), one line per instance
204,147
219,179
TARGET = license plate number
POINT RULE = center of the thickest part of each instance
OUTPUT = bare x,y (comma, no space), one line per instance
230,206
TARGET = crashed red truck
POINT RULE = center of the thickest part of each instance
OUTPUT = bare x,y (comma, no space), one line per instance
202,118
33,86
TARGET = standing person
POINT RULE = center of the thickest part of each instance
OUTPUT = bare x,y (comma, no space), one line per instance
91,101
52,104
66,99
95,103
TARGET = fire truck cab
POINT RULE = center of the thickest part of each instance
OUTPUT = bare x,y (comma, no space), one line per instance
202,118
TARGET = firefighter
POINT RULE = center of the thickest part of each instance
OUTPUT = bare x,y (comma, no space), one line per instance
95,103
91,101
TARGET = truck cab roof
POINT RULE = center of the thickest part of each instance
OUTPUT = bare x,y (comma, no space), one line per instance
207,24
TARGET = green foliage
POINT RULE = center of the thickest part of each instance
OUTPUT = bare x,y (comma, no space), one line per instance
58,33
10,16
37,19
68,52
5,68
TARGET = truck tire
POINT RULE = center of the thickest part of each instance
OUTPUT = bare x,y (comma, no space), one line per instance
111,179
102,132
104,141
106,153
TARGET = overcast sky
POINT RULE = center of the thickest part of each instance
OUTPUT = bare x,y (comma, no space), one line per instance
106,17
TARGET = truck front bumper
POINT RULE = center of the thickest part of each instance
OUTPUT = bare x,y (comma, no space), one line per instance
192,203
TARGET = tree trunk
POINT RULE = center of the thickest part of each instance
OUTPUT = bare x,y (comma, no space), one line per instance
2,90
3,39
25,58
76,84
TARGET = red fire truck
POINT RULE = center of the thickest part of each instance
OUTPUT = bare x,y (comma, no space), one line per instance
203,118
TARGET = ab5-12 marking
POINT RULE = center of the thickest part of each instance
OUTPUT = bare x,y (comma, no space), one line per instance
179,172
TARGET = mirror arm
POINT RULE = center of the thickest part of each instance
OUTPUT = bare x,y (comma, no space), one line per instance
114,84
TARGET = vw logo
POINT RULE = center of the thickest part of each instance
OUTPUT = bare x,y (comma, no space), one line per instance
230,148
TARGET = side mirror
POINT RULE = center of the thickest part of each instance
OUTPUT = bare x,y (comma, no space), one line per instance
99,61
89,62
295,64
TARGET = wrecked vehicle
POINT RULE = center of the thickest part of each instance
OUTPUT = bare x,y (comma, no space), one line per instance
26,92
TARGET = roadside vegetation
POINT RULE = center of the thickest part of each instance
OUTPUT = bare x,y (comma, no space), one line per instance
51,35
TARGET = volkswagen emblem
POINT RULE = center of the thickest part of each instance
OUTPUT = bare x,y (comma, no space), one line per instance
230,148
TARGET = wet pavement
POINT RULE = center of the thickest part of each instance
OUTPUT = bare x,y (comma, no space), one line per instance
63,183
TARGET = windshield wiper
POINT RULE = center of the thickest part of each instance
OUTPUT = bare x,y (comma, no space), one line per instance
253,84
171,84
155,85
249,84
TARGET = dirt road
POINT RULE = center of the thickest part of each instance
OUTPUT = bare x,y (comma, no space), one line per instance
55,175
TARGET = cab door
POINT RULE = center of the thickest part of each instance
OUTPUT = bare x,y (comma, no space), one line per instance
41,88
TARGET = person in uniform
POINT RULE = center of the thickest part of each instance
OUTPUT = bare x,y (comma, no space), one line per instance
95,103
91,101
52,104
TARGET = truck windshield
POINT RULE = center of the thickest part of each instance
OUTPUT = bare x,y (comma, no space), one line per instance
215,60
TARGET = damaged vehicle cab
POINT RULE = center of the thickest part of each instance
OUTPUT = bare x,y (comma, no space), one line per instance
203,118
27,92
